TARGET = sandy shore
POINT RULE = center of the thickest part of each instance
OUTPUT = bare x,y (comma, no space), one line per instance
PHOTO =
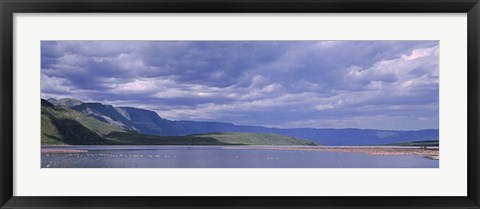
431,153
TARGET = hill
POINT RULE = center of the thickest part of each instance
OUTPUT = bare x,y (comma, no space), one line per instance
64,126
254,139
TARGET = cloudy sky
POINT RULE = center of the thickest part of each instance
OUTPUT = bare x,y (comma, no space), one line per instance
318,84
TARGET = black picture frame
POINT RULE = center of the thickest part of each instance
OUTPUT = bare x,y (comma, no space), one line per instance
9,7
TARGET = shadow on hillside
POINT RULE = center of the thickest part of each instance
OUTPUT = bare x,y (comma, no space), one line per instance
75,133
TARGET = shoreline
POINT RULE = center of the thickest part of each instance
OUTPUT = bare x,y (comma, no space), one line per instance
430,153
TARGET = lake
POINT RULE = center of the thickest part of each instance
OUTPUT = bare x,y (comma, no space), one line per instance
126,156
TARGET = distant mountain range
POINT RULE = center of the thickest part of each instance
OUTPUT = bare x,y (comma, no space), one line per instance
146,122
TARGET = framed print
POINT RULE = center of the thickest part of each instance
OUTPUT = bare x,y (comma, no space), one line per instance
258,104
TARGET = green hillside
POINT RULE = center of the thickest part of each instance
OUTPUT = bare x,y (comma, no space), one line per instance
64,126
253,139
131,138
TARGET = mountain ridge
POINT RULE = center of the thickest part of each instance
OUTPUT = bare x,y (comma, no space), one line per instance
64,101
149,122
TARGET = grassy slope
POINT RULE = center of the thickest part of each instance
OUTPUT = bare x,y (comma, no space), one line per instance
253,139
62,125
131,138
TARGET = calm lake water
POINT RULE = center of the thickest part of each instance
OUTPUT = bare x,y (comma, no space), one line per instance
218,157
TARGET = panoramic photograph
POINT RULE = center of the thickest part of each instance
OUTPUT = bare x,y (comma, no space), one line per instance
240,104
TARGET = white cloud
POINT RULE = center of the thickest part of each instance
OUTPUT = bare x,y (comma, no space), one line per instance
376,85
327,44
51,83
324,107
218,75
135,85
419,53
396,75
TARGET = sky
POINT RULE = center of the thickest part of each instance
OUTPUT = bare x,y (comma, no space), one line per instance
390,85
